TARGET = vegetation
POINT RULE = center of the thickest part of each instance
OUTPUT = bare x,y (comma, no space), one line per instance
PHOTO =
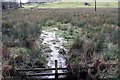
71,5
85,31
21,39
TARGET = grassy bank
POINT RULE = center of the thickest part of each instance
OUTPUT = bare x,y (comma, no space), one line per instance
21,43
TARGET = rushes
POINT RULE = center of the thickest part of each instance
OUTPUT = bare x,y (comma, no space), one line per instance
22,31
85,30
20,35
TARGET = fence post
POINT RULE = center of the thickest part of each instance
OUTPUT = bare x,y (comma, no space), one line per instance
56,71
95,5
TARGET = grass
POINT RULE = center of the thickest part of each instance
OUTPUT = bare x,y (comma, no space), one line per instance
79,26
73,5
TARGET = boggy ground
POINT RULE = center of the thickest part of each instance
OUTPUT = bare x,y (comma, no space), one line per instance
89,35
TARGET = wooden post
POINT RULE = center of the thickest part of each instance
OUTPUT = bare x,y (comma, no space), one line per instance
95,5
56,71
20,4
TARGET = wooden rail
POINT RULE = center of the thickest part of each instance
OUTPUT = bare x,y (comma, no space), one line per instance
36,74
40,69
46,74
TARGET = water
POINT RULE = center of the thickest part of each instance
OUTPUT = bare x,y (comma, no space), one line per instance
55,43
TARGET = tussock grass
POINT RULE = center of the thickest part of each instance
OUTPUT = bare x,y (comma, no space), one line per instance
79,26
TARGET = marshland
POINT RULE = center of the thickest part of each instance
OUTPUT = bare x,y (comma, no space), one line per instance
76,37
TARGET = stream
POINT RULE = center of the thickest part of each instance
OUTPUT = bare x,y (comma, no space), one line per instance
55,44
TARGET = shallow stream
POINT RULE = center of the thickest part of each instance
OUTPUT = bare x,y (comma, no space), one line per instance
55,44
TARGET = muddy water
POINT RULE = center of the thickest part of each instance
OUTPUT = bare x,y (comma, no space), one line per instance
55,44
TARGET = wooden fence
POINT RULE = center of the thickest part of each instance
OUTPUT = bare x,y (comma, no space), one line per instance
41,76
